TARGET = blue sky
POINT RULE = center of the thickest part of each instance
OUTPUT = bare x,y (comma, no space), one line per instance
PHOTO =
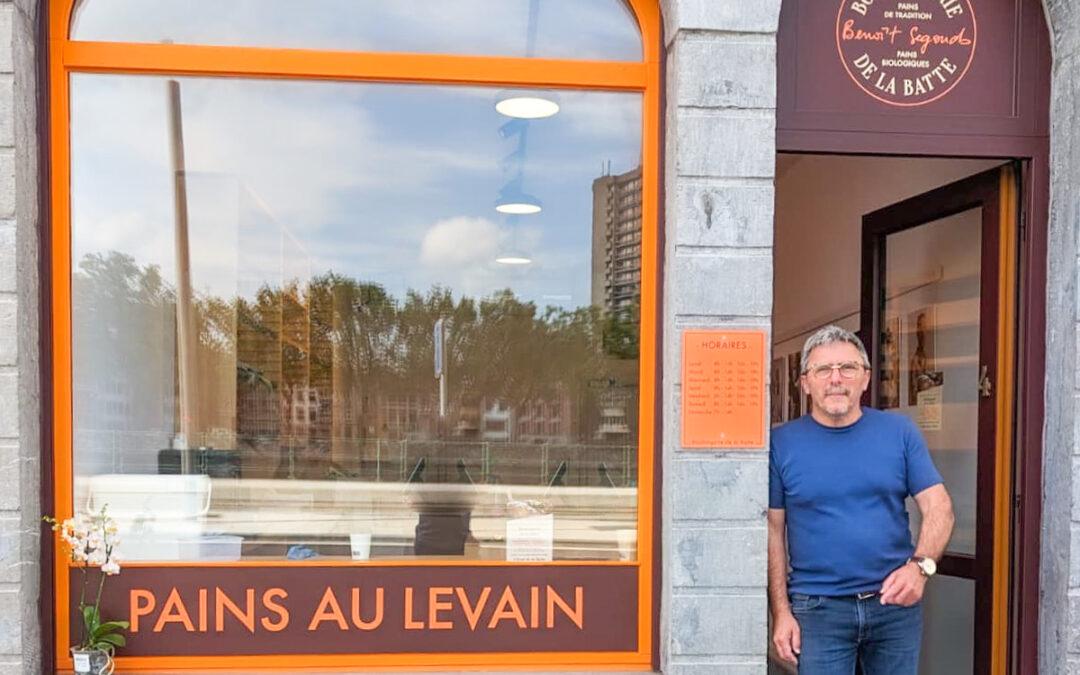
388,183
583,29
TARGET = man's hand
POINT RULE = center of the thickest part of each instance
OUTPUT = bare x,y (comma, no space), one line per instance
904,586
786,636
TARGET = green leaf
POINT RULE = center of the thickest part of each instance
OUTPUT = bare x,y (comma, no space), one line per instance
108,627
114,639
90,618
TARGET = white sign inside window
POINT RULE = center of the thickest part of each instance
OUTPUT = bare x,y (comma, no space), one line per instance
530,539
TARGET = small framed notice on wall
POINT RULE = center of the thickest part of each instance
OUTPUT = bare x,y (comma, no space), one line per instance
723,389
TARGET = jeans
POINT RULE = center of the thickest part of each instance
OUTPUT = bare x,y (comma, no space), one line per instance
837,632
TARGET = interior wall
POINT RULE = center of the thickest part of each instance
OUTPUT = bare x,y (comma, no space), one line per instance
820,202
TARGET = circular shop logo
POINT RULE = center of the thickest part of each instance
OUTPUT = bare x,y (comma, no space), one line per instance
906,53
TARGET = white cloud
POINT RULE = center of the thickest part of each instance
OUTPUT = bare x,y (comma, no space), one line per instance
460,241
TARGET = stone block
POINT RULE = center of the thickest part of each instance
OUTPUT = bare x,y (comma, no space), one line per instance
719,489
10,549
732,284
7,10
720,667
724,145
7,183
8,343
1074,555
718,624
709,213
739,16
7,257
10,472
9,405
1076,488
718,558
11,615
7,110
725,73
1073,642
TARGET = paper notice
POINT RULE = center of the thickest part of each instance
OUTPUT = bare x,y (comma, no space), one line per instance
530,539
929,409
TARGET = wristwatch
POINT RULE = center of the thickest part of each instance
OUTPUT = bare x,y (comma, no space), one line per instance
927,566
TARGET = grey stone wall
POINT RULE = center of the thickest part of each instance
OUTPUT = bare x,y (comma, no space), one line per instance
1059,618
19,349
720,145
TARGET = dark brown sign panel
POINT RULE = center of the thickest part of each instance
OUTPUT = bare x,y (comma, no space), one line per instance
883,75
906,53
195,611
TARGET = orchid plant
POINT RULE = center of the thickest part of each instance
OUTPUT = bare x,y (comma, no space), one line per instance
91,539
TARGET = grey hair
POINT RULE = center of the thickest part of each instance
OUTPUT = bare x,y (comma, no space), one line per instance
830,335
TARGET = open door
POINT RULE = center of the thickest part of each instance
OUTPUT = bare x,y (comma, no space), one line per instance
938,317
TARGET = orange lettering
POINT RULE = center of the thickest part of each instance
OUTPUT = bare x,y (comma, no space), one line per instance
202,610
141,602
507,608
329,610
473,613
576,615
375,622
534,607
410,622
174,612
435,606
283,614
223,602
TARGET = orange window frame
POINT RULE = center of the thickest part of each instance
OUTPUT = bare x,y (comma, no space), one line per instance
67,56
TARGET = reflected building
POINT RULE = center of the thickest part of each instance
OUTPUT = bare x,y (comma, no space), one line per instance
616,241
616,276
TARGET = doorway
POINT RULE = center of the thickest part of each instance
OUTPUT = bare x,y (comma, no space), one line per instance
918,255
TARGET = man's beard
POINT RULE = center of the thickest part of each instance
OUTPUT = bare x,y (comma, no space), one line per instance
830,405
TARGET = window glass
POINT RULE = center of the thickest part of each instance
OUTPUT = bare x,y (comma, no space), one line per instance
569,29
322,319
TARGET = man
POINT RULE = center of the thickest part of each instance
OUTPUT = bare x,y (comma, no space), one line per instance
837,485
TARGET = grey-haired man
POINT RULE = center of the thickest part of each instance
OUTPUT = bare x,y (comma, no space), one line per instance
850,591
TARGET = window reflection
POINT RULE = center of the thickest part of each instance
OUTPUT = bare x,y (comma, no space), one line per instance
330,229
568,29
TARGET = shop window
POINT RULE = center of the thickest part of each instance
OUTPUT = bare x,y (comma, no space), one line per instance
563,29
319,284
334,231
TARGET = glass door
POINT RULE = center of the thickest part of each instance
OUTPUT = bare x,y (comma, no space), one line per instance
938,288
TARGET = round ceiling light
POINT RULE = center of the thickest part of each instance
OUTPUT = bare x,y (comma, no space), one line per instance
513,259
527,106
519,207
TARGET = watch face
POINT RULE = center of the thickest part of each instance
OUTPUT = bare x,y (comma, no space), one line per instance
929,567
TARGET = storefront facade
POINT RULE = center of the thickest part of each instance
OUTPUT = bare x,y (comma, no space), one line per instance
372,455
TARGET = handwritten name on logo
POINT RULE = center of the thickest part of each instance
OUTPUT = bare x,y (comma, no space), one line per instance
906,53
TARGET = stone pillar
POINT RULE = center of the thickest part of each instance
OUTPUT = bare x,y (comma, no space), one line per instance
1059,606
19,349
720,159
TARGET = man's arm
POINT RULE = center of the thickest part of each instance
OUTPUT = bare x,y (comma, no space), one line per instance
935,505
786,635
905,586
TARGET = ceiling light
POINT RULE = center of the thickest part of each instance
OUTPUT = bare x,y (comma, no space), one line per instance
526,106
513,259
522,206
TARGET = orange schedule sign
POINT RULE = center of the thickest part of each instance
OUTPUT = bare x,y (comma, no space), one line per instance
723,389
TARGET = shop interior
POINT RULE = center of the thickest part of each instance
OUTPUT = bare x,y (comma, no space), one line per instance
930,340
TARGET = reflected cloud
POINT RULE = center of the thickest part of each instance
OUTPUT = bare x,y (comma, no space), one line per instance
461,241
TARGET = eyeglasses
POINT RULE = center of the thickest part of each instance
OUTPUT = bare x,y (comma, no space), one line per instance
848,371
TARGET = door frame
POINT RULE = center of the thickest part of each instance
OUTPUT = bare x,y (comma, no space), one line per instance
995,192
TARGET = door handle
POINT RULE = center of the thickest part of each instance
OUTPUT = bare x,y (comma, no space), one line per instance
986,387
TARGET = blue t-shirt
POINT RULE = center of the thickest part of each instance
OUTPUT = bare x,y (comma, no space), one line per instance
843,490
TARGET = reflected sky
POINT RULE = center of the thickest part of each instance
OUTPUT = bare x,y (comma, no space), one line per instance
394,184
578,29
